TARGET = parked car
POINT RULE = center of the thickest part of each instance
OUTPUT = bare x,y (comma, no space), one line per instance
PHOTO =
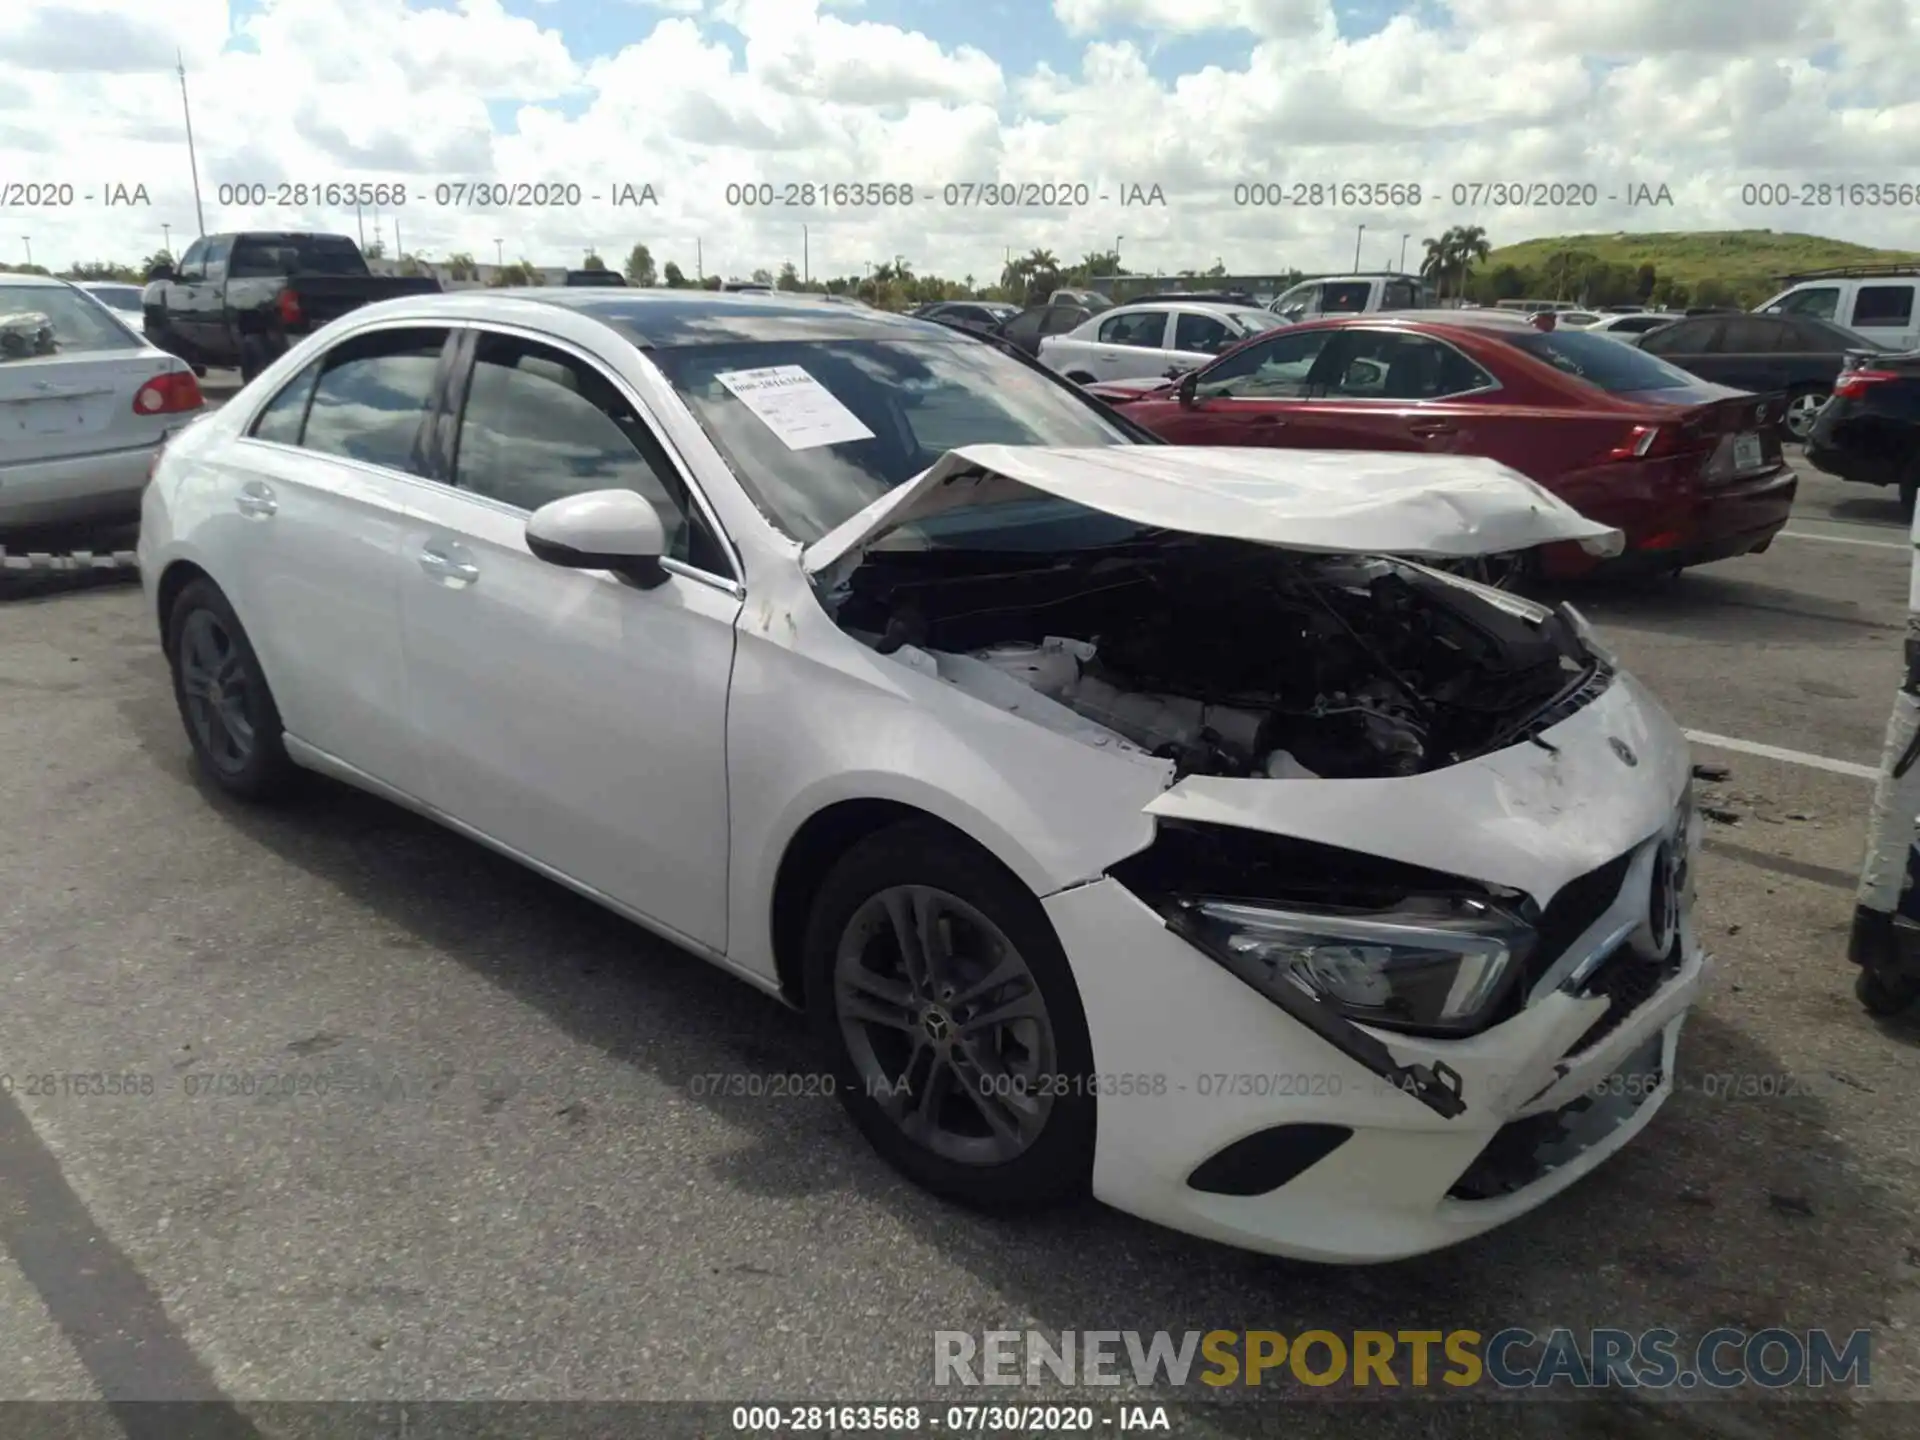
1085,299
1156,338
1796,356
1353,295
1030,326
1870,430
1629,325
242,299
1880,302
1578,319
123,300
982,775
986,316
85,404
1690,471
605,279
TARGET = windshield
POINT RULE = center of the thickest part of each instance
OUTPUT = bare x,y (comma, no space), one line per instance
915,399
1253,322
53,320
1601,360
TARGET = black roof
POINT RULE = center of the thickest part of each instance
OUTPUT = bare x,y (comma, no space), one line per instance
658,319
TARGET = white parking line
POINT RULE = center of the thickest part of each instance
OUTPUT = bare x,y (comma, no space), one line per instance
1791,757
1845,540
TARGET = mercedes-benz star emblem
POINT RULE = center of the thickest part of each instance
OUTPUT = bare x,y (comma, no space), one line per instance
1623,750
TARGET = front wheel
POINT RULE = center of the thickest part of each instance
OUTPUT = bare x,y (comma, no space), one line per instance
1803,408
950,1018
229,713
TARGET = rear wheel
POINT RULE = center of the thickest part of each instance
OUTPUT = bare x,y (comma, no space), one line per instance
229,713
1803,408
1909,488
1885,995
253,357
950,1017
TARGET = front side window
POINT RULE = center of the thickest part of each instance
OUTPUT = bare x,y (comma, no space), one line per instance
372,395
53,320
1142,329
1822,302
1275,369
1202,334
1301,300
218,249
1346,297
1383,365
282,418
540,425
192,262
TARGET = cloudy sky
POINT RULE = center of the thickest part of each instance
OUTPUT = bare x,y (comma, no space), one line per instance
1717,100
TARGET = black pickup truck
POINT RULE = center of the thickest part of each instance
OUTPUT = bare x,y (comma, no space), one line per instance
242,299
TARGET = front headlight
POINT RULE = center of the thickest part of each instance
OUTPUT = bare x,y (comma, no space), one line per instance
1435,965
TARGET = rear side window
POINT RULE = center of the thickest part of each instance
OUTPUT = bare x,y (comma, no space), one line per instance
1884,305
1600,361
1345,298
1756,336
1202,334
265,255
53,320
286,414
372,395
1689,337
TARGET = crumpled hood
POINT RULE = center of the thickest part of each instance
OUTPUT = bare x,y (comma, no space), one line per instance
1346,502
1527,817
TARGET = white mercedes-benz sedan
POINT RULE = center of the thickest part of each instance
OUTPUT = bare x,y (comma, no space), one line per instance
1120,816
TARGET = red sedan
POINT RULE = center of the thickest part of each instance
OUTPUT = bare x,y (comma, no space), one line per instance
1688,470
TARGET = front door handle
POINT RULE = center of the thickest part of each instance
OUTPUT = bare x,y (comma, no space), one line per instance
1266,420
1434,427
255,501
442,566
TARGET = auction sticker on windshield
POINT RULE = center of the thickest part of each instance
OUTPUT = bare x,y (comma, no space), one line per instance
795,406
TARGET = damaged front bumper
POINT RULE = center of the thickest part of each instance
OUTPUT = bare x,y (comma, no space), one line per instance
1210,1067
1226,1114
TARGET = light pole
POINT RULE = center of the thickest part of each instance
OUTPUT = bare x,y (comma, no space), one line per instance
27,240
806,265
193,158
1359,235
1403,252
499,255
166,238
1116,252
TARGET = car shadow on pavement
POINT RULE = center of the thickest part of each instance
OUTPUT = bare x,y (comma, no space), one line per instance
1745,1213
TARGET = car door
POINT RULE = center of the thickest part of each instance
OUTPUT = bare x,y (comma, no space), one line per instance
1127,344
184,298
1250,397
1885,313
569,715
317,492
1693,345
210,332
1197,338
1385,389
1758,353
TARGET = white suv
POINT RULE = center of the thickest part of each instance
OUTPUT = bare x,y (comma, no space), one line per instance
1353,295
1879,302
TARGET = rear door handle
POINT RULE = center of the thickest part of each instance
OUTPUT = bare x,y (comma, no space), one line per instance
255,501
1266,420
444,566
1431,428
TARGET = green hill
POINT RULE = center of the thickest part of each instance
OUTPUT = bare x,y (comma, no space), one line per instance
1747,262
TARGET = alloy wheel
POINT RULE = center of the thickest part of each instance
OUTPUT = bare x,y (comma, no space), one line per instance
1802,411
218,691
945,1024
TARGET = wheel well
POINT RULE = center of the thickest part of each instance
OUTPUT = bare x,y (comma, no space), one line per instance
813,851
176,577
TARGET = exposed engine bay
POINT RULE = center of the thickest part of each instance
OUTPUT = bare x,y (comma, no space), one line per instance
1230,658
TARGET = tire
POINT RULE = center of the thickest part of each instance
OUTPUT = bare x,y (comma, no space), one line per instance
1883,995
253,358
1909,488
1803,408
236,734
1036,1070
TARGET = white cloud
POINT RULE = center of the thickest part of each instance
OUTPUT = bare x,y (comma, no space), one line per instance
1702,95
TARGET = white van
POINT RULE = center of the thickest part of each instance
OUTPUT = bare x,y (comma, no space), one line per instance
1881,303
1353,295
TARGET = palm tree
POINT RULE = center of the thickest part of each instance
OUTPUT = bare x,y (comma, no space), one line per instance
1470,248
1437,265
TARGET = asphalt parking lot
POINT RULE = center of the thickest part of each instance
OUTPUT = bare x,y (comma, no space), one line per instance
533,1197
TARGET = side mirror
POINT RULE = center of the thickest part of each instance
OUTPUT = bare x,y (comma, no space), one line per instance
615,530
160,272
1188,389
